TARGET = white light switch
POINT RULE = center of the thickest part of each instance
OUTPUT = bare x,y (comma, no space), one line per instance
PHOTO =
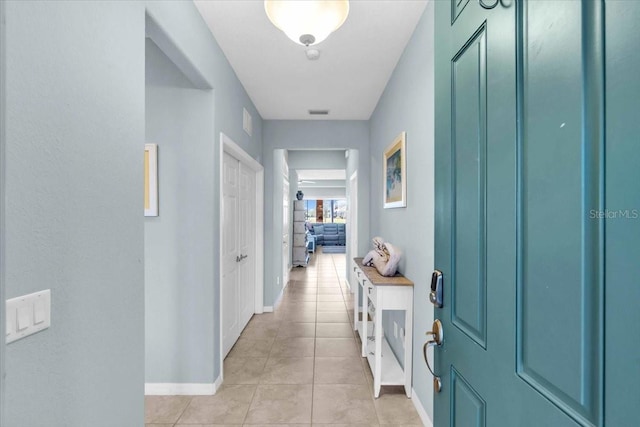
39,311
28,314
24,318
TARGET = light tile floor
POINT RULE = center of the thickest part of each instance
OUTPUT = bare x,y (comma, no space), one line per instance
298,366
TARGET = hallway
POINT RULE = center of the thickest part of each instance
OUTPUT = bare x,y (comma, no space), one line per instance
297,366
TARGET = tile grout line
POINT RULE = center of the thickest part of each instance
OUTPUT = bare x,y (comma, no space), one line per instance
183,411
325,270
255,391
315,345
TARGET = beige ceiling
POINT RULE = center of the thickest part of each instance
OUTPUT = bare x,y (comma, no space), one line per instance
354,66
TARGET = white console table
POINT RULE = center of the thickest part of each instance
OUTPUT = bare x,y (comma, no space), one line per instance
385,293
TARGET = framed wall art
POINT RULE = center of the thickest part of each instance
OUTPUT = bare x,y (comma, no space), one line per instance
150,180
394,164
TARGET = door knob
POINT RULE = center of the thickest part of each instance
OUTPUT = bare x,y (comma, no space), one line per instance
437,334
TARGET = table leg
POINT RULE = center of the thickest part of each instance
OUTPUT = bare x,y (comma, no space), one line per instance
377,375
408,347
365,316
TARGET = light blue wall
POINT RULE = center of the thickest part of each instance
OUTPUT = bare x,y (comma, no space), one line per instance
179,275
3,63
75,131
296,135
407,104
315,159
179,30
363,210
74,224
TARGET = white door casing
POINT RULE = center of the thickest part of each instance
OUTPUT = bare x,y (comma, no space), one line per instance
246,237
286,224
229,254
352,223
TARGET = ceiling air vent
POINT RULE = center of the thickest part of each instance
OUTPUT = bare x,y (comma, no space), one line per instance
319,112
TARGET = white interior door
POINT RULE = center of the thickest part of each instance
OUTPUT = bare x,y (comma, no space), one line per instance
246,240
286,224
352,225
230,250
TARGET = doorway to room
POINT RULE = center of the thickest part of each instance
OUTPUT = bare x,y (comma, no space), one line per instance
328,201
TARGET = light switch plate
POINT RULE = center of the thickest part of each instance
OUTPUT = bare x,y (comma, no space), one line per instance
28,314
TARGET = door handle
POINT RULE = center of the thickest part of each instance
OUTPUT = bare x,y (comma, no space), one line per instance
241,257
437,335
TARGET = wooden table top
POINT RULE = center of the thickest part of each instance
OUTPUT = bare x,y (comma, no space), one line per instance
377,279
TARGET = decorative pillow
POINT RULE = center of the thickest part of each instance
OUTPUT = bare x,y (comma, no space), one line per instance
318,229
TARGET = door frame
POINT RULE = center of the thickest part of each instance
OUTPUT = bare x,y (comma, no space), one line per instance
352,222
227,145
287,225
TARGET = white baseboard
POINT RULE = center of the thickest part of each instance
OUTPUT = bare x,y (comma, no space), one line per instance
278,300
182,389
271,308
426,421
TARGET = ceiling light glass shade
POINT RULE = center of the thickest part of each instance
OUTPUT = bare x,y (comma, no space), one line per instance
299,18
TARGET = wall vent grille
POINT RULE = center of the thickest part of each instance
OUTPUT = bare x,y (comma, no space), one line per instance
247,122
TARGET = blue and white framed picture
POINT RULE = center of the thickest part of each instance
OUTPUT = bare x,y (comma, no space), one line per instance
394,165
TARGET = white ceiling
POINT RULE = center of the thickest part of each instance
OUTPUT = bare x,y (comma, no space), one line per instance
354,66
321,174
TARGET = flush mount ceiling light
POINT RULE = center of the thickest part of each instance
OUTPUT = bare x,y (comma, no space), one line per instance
307,22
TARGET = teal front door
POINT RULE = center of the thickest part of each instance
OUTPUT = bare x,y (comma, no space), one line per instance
537,213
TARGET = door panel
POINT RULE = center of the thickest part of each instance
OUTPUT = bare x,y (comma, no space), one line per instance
468,407
475,215
559,247
519,165
468,147
456,8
